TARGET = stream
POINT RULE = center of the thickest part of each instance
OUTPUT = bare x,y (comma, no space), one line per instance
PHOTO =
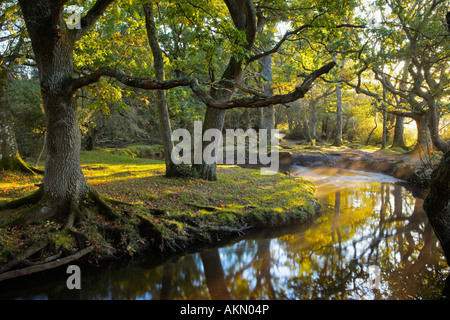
372,241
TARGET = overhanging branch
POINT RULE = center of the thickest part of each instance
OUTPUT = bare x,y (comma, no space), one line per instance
205,97
259,102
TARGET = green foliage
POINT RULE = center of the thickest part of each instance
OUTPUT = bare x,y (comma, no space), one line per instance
28,115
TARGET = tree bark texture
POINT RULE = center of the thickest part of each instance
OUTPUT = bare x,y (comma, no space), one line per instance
244,19
53,44
437,204
398,139
423,134
161,101
433,125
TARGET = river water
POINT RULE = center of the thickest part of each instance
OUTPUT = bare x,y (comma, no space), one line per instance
371,241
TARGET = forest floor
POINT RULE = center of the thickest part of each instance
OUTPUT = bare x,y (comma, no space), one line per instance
158,214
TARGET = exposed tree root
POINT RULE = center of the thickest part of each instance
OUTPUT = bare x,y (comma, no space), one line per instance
68,218
43,208
46,266
92,225
23,255
104,208
17,164
29,263
32,199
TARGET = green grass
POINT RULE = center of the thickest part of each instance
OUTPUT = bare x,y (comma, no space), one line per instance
188,209
135,151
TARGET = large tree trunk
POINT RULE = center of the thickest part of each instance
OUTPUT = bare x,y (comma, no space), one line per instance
398,139
64,182
215,118
437,204
433,126
244,19
161,101
423,144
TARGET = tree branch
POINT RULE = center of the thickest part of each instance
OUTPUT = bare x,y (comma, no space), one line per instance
88,21
282,40
259,102
205,97
136,82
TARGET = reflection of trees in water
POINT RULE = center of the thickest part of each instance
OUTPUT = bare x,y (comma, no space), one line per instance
387,228
396,239
378,224
214,274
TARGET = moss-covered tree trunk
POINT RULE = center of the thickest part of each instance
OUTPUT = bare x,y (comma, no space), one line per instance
437,204
10,158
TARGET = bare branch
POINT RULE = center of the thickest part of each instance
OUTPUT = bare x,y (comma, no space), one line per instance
280,43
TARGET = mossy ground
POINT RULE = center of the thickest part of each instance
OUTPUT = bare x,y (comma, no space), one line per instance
159,213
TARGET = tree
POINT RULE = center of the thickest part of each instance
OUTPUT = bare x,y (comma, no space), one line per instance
14,44
437,204
161,101
64,186
53,42
411,35
338,138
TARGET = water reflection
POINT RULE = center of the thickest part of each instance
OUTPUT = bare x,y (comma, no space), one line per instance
363,224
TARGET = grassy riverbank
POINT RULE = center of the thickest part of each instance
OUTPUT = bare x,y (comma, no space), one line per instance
157,214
